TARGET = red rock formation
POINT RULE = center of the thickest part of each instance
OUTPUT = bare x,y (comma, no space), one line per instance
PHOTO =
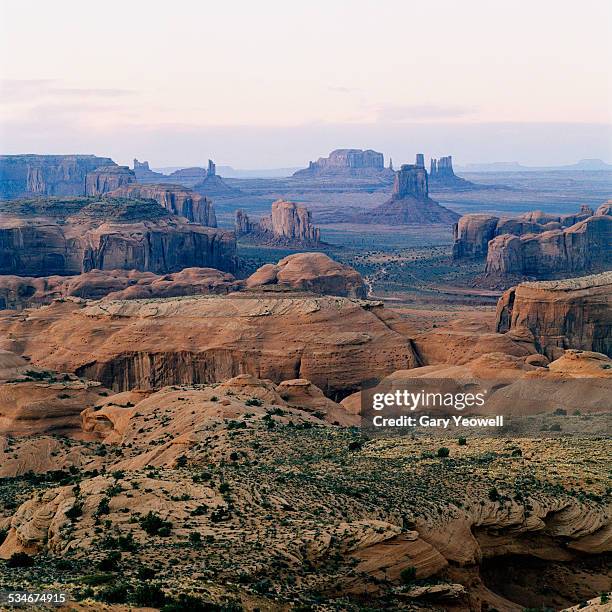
289,224
574,313
314,272
174,198
473,232
18,292
43,237
337,343
410,203
582,247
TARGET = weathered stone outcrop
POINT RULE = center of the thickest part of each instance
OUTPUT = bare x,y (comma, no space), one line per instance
473,232
288,224
144,174
564,314
410,203
19,292
176,199
347,163
337,343
214,185
310,272
582,247
48,175
72,236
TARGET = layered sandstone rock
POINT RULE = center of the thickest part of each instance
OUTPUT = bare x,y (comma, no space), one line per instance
48,175
289,224
410,203
582,247
174,198
347,163
314,272
19,292
337,343
574,313
71,236
473,232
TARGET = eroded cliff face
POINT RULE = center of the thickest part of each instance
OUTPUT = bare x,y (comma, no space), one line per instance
575,313
45,237
175,199
48,175
473,232
582,247
107,178
337,343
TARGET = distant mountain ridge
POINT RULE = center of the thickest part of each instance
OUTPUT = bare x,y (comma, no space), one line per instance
588,165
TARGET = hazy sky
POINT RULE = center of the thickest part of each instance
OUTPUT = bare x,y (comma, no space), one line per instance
276,83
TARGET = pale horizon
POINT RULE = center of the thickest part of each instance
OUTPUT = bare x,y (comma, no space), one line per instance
275,84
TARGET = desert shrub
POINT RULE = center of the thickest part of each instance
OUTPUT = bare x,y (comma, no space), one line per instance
234,456
149,595
494,494
20,559
253,401
224,487
462,441
145,573
408,575
560,412
96,579
110,562
517,452
3,534
195,537
443,451
74,512
153,524
103,506
114,593
555,427
355,445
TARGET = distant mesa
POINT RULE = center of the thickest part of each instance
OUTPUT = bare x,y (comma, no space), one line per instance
441,174
59,175
410,203
536,245
346,163
289,224
203,180
44,236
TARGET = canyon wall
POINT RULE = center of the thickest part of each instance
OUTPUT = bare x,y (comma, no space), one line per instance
107,179
473,232
47,175
41,238
572,313
582,247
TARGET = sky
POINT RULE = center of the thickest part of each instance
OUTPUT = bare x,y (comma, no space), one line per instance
275,83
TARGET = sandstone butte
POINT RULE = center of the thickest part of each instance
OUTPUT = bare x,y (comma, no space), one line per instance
573,313
46,236
311,272
289,224
410,203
